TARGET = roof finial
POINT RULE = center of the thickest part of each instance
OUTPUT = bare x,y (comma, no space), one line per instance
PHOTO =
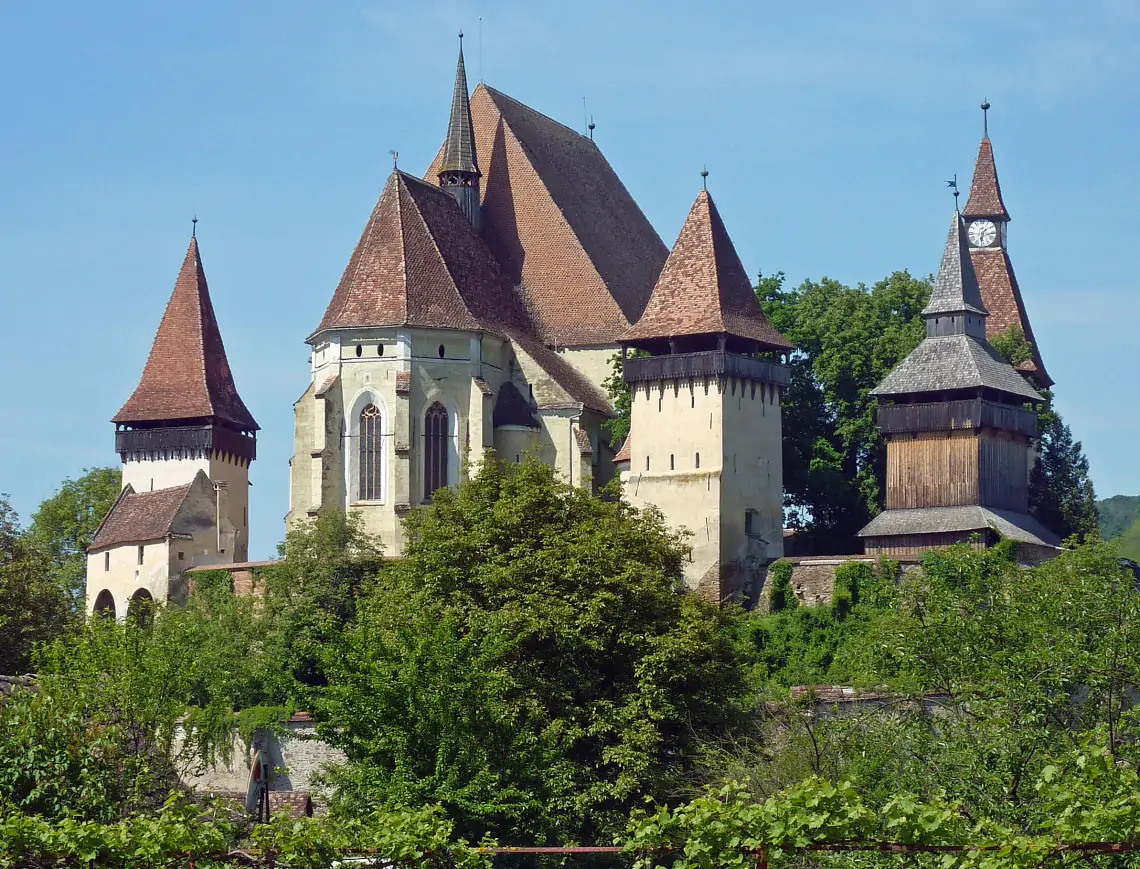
461,40
395,159
985,118
953,185
590,126
194,227
704,177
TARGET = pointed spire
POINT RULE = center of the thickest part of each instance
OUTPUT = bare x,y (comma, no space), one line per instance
985,191
459,152
956,287
704,289
187,375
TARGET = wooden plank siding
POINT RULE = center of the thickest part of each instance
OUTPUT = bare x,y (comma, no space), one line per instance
932,470
1004,467
908,547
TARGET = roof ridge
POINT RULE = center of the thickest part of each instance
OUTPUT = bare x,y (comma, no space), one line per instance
436,248
520,103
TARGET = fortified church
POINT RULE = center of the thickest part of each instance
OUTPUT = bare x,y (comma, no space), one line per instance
481,310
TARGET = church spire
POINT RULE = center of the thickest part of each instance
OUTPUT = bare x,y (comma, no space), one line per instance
956,305
985,191
459,172
187,375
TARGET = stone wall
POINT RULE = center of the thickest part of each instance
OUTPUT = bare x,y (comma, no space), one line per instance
297,758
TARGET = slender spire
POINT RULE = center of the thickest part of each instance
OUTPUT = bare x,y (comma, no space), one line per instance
985,191
459,170
956,287
459,152
985,118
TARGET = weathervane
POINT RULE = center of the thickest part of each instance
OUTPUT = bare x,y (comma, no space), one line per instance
395,159
194,227
704,177
953,185
985,117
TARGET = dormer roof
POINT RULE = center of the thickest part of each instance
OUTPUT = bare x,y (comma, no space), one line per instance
187,375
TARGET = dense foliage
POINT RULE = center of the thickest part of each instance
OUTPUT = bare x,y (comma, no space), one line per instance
33,608
65,524
1117,514
530,664
849,338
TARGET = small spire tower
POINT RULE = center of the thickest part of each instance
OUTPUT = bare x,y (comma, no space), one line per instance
957,421
459,172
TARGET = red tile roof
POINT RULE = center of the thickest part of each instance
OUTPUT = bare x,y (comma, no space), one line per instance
561,223
623,454
703,288
985,191
137,517
1002,297
187,375
582,436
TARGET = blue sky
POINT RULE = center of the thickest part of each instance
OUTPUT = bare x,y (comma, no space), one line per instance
828,129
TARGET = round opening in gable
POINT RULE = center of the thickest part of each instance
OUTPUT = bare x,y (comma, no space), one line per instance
441,350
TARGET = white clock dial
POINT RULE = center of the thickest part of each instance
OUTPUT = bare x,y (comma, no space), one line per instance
982,233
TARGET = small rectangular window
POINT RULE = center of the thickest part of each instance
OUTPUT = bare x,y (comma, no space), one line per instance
140,555
181,556
107,560
752,523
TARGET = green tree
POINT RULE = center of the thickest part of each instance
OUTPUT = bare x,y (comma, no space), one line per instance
531,663
33,608
1061,493
65,524
848,339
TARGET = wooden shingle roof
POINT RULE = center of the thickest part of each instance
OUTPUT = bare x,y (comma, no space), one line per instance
187,375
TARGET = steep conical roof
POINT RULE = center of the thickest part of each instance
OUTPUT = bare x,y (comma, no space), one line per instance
703,288
187,375
459,150
956,287
985,191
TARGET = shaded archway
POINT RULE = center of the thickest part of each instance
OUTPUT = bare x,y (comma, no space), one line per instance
140,608
104,605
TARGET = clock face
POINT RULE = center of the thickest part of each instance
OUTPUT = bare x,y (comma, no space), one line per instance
982,233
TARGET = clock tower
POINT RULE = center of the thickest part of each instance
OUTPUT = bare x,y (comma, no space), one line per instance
987,222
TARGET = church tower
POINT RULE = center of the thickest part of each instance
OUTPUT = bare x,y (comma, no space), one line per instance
705,440
186,441
955,418
459,172
987,228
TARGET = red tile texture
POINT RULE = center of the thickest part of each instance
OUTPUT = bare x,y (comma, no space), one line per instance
582,436
1002,297
563,226
704,289
137,517
623,454
187,375
985,191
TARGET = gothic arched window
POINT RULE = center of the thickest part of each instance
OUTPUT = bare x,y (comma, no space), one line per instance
371,453
437,447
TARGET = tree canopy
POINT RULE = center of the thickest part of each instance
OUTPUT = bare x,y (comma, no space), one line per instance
530,664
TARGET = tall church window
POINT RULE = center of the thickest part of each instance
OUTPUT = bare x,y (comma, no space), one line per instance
371,453
437,447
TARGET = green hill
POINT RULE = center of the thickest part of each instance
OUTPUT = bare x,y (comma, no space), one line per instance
1118,516
1129,542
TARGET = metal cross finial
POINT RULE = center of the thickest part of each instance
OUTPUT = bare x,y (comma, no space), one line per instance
194,227
704,177
985,117
953,185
